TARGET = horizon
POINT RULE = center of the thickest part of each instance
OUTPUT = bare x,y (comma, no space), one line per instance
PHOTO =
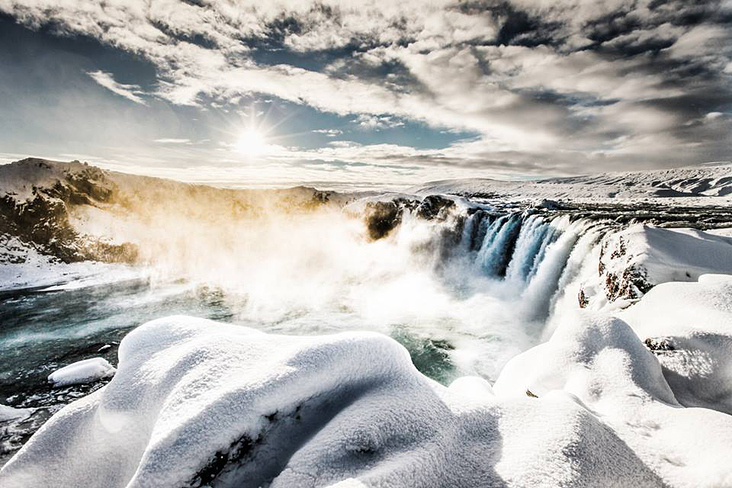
375,95
199,178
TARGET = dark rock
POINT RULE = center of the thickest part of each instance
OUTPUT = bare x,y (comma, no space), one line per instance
582,299
659,344
382,218
434,206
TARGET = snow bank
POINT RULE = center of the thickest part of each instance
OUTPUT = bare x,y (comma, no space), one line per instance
86,371
635,259
602,364
199,403
689,328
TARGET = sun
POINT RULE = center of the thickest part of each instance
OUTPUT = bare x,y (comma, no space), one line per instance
251,142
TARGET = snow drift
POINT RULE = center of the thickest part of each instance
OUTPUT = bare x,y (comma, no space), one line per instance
85,371
688,326
200,403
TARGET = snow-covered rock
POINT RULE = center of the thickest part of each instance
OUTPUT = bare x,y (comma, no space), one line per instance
10,413
199,403
85,371
688,326
602,364
639,257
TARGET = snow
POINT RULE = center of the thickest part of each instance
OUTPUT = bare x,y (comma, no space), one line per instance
20,179
197,402
642,256
85,371
688,186
10,413
22,266
692,324
601,363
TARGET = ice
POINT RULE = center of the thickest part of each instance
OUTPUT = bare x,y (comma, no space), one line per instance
85,371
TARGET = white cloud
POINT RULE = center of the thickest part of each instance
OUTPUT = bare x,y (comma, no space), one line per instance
548,106
377,122
130,92
329,132
172,141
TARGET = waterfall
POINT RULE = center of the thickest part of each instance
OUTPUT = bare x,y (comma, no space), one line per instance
496,252
529,256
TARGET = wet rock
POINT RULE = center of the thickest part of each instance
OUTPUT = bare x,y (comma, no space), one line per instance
434,206
659,344
382,217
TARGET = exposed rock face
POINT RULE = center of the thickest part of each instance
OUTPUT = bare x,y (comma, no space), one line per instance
629,282
43,220
382,217
435,206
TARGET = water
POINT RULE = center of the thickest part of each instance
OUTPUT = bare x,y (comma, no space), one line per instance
463,294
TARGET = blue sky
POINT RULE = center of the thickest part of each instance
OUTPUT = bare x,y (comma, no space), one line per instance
368,92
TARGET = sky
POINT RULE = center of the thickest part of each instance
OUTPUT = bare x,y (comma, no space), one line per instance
366,92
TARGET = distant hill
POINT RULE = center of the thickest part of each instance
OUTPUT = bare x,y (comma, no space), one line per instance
703,185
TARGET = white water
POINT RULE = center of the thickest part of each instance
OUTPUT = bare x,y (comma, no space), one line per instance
463,294
482,286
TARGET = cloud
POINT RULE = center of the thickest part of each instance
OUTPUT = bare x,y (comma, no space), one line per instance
329,132
172,141
555,86
377,122
130,92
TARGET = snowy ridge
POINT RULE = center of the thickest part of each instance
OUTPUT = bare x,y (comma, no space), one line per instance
700,186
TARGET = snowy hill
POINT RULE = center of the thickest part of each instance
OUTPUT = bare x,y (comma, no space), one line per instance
701,186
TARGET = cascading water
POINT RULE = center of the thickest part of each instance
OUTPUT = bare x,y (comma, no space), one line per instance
464,288
508,275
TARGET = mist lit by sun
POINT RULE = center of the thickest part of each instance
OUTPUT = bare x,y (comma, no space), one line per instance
251,142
